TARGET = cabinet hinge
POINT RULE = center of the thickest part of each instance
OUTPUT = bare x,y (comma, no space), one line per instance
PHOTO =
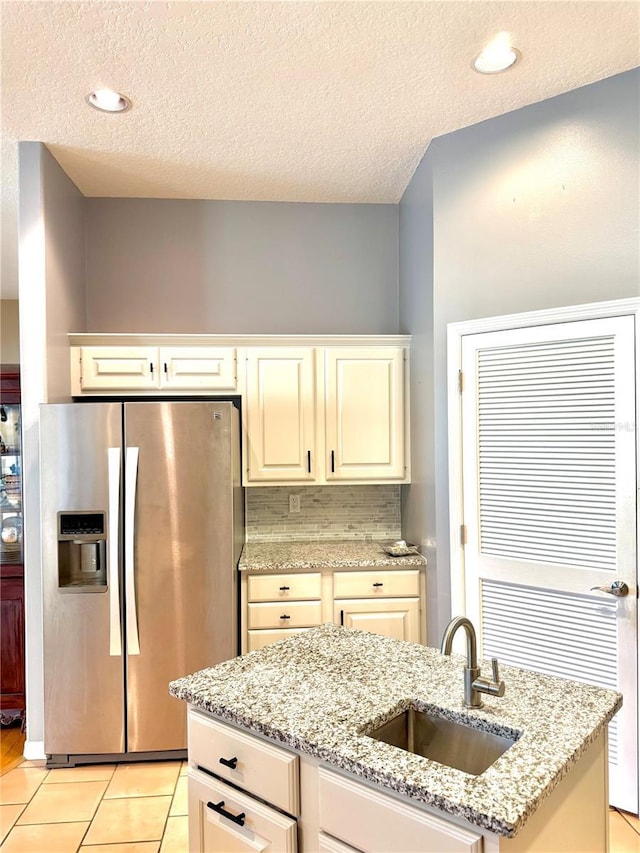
463,534
460,381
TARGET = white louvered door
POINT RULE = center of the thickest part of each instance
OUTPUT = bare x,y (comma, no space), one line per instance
549,493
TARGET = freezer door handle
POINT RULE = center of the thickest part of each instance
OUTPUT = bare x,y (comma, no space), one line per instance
130,483
115,632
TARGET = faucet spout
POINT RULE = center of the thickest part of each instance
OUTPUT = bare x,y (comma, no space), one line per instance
474,685
472,647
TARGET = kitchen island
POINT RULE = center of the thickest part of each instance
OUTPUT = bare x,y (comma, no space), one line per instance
322,693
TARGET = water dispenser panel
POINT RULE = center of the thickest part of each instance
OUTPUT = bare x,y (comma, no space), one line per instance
82,551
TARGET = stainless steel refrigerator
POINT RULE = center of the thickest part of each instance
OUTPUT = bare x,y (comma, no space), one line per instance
142,528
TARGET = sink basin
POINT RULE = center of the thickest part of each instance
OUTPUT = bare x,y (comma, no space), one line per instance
454,744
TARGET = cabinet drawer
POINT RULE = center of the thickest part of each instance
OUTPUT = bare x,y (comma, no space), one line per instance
260,639
381,583
296,587
288,614
377,823
257,827
262,769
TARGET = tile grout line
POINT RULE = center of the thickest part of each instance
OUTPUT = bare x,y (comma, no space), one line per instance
628,822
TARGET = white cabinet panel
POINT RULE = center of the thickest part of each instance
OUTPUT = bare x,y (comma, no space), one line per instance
260,639
258,767
286,614
284,587
368,820
198,367
364,413
117,368
379,583
280,414
398,618
225,820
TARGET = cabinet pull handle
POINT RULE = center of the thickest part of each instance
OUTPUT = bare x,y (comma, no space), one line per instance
333,462
165,367
309,461
284,616
342,617
284,588
229,762
218,807
378,584
151,367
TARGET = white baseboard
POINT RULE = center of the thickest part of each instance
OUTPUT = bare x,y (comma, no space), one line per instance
34,750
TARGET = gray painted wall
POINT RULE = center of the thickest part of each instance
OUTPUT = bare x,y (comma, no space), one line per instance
157,265
51,285
535,209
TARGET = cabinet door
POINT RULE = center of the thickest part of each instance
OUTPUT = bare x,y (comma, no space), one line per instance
398,618
225,820
364,398
118,368
12,644
198,367
280,416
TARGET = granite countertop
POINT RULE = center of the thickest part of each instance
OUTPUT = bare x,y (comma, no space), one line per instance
322,690
289,556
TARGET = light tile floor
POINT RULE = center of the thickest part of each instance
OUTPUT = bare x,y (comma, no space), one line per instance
130,808
102,808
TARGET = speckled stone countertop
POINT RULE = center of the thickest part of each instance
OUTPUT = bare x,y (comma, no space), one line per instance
322,690
289,556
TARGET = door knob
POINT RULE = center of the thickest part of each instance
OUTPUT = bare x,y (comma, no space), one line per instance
617,588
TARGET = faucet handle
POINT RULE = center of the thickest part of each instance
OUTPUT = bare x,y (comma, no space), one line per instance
494,670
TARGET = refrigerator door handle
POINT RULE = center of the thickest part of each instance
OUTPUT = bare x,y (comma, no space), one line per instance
115,633
131,482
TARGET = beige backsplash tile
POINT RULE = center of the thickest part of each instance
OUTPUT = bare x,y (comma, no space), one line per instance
326,512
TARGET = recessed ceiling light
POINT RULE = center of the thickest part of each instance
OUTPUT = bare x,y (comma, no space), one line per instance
108,101
496,56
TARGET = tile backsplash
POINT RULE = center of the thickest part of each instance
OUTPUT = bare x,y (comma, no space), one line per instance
326,512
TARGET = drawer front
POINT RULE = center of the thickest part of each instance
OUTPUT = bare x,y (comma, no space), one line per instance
288,614
212,809
381,583
377,823
259,639
296,587
267,771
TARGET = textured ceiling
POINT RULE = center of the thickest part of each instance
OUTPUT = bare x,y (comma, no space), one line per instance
280,101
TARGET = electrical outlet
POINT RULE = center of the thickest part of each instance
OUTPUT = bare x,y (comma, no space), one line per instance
294,503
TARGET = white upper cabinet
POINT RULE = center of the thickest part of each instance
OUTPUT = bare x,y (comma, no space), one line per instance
325,414
118,368
280,417
364,413
131,368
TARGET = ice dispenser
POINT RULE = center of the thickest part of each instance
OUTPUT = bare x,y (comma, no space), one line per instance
82,551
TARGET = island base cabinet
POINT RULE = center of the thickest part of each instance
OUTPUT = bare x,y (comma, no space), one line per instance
375,823
224,820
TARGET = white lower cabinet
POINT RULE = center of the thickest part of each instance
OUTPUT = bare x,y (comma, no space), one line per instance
369,821
398,618
225,820
228,818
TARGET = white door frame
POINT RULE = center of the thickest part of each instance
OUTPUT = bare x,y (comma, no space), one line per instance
455,333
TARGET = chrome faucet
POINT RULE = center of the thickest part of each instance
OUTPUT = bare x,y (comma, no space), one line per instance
474,685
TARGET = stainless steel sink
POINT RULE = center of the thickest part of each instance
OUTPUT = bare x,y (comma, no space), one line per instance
454,744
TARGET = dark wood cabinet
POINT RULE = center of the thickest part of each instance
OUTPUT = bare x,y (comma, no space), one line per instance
12,679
